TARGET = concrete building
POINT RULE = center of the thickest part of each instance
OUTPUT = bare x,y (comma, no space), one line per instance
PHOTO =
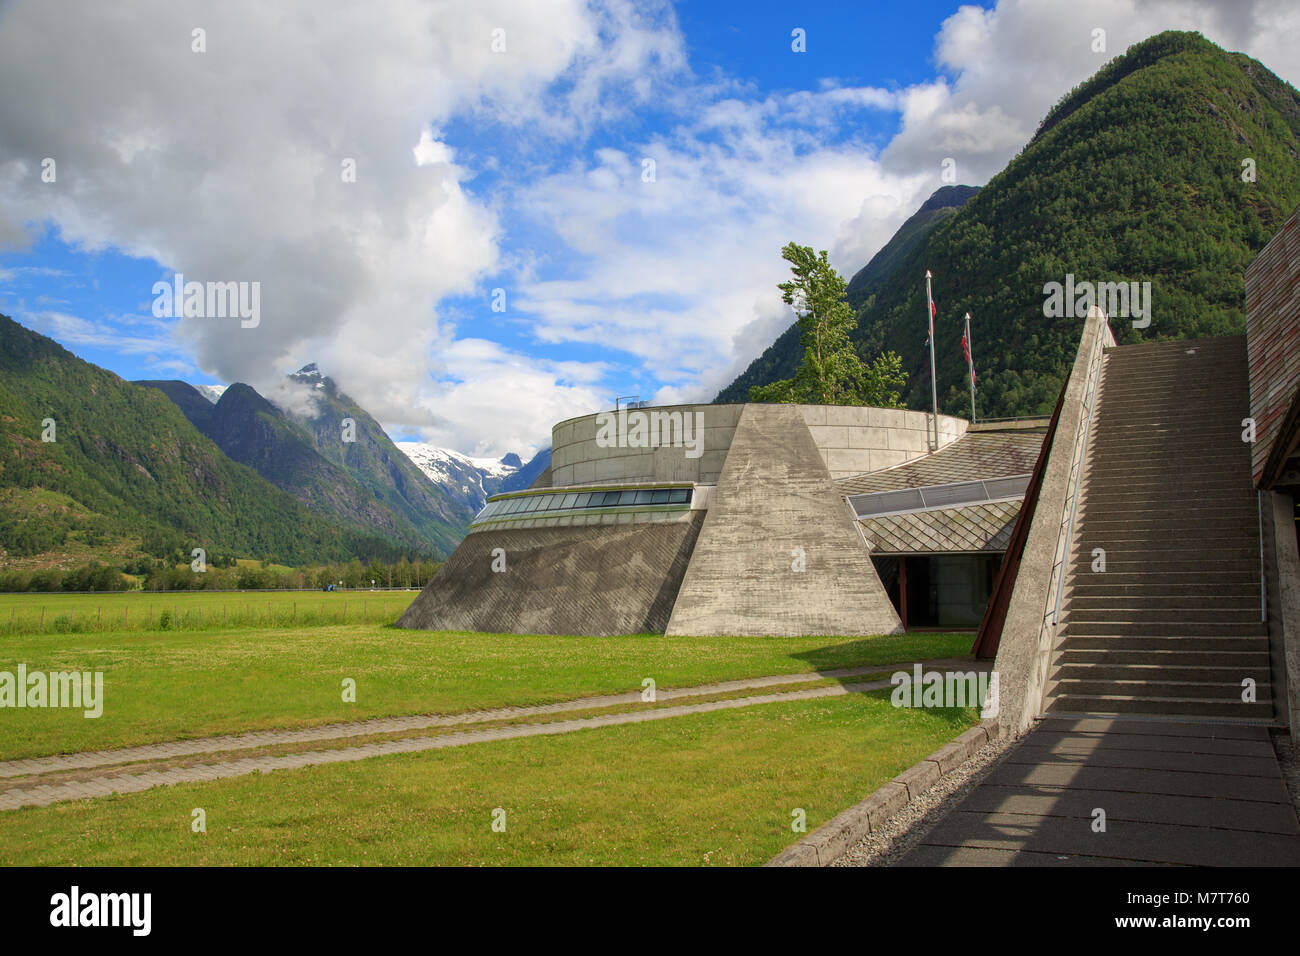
750,519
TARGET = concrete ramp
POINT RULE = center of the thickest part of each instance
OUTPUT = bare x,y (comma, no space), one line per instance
594,580
775,508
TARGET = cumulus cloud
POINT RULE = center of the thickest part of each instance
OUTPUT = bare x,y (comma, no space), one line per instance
227,166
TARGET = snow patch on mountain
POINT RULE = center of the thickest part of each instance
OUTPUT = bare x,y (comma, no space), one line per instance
211,392
471,479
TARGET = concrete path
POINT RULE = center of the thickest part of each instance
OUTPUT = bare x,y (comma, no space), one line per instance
109,776
1173,793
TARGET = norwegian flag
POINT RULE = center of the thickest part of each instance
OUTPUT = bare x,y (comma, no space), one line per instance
965,350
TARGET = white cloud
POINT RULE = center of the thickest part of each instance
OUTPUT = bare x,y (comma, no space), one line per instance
226,165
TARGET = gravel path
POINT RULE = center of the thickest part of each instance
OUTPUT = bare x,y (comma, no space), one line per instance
143,777
905,829
86,760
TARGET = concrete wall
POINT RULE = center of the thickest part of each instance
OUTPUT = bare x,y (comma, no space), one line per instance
593,580
774,507
851,440
1028,635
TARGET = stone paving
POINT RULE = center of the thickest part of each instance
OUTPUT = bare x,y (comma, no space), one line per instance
137,779
1173,792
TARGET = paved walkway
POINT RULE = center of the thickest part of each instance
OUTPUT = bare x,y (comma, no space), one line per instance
1174,793
105,780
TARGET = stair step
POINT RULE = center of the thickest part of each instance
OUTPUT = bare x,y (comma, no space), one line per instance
1168,643
1199,615
1246,601
1169,706
1069,656
1175,628
1229,691
1176,581
1160,562
1166,673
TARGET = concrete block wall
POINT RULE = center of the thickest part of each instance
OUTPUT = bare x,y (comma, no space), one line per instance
851,440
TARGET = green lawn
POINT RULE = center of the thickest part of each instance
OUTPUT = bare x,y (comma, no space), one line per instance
165,685
132,611
711,789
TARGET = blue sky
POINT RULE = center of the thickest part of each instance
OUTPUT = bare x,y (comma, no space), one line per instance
503,145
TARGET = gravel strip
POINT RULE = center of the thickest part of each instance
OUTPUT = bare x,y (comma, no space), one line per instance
908,826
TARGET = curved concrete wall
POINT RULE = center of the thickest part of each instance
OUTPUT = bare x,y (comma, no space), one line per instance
851,439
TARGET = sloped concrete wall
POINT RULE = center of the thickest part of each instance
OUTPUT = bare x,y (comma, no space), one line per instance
590,580
774,496
1028,633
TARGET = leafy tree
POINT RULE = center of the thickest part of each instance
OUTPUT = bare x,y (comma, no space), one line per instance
832,372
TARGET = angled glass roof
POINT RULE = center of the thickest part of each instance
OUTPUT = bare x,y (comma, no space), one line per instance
564,501
933,497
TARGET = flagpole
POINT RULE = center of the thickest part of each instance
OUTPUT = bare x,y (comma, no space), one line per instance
934,387
970,359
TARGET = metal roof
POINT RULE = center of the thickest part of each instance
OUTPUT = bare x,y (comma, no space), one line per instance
974,456
974,528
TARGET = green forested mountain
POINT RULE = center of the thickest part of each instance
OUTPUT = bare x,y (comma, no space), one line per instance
127,471
781,359
1135,176
283,449
376,464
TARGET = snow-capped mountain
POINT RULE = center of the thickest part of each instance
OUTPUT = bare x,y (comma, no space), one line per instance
472,480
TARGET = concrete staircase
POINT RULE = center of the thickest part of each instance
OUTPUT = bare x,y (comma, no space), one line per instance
1172,627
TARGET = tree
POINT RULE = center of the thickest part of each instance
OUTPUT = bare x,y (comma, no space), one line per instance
832,372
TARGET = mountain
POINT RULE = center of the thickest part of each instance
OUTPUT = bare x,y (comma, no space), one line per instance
529,473
376,463
369,489
254,432
127,472
1134,176
211,392
945,201
781,359
473,480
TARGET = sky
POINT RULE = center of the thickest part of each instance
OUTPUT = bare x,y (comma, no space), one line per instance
483,217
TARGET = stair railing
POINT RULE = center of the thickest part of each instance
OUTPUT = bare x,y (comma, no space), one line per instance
1094,375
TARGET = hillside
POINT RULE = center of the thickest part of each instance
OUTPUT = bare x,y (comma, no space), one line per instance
1134,176
127,472
376,464
254,432
781,358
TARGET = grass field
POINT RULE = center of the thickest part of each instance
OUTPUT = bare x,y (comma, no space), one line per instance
708,789
170,685
704,788
57,613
